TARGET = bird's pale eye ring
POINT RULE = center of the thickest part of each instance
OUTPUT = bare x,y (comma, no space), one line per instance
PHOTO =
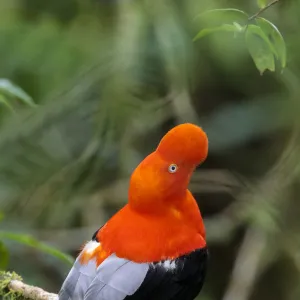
173,168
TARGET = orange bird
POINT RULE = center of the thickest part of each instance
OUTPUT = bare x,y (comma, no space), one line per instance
154,248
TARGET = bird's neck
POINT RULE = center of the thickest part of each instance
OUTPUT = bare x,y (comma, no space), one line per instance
143,237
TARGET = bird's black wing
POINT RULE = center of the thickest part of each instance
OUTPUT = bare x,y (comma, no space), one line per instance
180,279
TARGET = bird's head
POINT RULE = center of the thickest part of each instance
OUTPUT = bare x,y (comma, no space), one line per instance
164,175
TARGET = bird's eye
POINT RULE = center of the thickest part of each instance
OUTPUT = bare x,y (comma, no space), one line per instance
173,168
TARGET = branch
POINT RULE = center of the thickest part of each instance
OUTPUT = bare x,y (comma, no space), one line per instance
12,287
249,258
263,9
30,292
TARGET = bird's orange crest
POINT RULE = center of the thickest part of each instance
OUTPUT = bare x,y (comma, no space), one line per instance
186,143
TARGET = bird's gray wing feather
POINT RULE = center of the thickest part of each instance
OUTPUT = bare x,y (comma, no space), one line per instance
116,278
78,281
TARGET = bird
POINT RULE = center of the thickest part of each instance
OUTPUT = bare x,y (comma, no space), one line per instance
154,247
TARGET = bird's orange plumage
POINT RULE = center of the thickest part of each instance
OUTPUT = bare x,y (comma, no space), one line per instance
162,219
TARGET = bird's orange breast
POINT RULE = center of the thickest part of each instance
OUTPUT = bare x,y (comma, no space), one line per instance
149,238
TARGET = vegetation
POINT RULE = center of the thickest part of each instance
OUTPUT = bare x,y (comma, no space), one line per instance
89,87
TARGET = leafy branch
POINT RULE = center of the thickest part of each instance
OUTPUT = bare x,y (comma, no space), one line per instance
263,39
264,8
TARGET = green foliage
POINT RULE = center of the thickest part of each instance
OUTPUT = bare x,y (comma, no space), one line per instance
5,279
13,99
10,90
262,3
221,16
224,27
4,103
32,242
4,256
260,48
23,238
263,40
275,38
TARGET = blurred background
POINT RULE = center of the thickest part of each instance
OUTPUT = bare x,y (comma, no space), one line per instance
88,89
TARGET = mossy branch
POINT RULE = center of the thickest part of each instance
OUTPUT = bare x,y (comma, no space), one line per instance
12,288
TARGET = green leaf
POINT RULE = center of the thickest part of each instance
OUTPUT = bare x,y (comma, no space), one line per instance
4,255
262,3
216,17
239,27
256,30
224,27
275,37
260,49
5,103
32,242
11,90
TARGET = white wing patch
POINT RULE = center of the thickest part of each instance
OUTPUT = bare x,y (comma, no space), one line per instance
90,247
168,264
